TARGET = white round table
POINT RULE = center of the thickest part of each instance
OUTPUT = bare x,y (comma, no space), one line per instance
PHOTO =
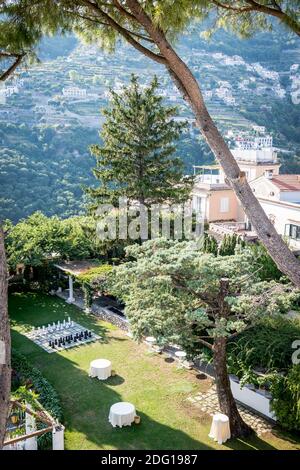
181,355
150,340
220,429
121,414
100,368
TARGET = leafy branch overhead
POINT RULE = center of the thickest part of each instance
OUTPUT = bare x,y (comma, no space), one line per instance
24,23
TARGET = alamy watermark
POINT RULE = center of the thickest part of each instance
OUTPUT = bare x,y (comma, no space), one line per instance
2,93
295,88
296,353
138,221
2,352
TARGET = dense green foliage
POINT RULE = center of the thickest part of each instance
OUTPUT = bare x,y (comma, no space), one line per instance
39,238
210,244
286,399
36,20
93,280
170,292
229,244
94,274
268,345
43,168
267,268
136,160
25,373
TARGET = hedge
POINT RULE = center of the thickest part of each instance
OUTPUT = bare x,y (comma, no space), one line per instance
286,399
48,396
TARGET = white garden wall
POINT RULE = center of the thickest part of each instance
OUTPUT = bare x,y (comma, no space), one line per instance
257,400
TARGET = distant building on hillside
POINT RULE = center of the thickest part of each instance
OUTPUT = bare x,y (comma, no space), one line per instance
74,92
10,90
259,129
230,100
254,143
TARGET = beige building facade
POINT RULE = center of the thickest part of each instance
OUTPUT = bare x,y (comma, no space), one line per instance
279,195
214,199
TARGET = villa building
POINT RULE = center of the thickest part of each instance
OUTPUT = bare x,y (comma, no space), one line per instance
279,195
211,194
212,197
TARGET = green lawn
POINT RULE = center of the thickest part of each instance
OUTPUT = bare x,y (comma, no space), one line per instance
157,388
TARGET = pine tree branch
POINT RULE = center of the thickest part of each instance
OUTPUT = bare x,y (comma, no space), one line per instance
103,23
123,32
124,11
277,12
232,8
205,343
18,59
255,6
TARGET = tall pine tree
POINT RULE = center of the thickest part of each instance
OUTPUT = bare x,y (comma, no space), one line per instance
137,158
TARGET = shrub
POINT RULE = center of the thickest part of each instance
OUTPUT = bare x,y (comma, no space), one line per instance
267,268
286,399
23,374
210,244
268,345
47,394
229,244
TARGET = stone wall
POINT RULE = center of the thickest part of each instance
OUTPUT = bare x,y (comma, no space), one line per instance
101,312
110,317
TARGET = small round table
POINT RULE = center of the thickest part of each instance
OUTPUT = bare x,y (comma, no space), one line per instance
220,429
121,414
100,368
181,355
150,340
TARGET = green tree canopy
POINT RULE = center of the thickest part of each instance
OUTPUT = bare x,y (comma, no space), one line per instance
182,296
23,22
37,238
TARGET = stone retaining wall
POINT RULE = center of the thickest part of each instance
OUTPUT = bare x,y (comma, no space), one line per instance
110,317
101,312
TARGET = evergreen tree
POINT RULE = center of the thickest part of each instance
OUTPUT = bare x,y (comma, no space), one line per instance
229,244
136,159
181,296
210,244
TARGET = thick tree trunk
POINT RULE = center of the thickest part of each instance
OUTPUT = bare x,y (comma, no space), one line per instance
5,369
188,86
227,403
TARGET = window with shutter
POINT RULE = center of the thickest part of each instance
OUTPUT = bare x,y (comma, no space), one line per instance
224,204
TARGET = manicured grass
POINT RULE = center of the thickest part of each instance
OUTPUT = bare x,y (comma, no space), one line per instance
157,388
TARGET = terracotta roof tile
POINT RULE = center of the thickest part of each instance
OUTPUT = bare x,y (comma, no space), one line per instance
287,182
